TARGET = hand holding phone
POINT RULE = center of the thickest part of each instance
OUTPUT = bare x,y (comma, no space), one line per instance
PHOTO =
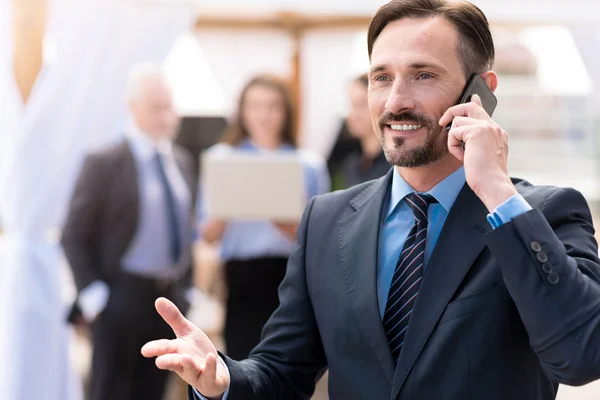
476,85
480,143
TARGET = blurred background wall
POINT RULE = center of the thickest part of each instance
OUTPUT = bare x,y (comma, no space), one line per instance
63,71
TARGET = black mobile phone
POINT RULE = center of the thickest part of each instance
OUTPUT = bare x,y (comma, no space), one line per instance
476,85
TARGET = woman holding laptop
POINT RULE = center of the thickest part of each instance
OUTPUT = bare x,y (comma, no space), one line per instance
255,252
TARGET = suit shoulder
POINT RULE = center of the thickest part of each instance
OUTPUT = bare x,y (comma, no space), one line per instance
339,198
538,195
108,153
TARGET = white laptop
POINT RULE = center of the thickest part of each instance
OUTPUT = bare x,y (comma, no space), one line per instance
238,185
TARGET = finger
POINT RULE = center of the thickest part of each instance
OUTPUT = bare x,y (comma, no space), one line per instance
464,121
159,347
192,369
209,374
469,109
459,135
455,142
170,362
172,316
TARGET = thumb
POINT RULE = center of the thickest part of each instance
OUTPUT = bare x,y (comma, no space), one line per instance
172,316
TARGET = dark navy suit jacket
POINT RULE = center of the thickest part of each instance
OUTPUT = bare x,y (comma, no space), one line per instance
501,314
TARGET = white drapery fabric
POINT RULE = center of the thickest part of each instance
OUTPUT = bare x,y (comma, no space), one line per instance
77,103
10,102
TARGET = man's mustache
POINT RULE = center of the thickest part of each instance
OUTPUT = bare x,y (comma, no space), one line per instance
406,116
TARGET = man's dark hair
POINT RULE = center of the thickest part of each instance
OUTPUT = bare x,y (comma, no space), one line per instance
475,43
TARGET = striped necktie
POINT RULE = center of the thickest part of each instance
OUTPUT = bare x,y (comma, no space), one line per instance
407,275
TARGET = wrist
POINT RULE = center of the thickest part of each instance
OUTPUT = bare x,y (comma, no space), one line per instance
495,193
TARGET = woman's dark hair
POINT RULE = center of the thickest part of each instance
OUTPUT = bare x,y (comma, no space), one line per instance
236,132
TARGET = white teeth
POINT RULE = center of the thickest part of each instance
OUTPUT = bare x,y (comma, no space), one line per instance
405,127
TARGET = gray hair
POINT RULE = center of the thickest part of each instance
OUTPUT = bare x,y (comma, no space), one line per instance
140,75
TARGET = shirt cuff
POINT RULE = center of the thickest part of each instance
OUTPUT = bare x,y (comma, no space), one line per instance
191,293
508,210
225,395
205,398
93,299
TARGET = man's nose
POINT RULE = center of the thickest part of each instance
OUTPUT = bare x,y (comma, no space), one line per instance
400,98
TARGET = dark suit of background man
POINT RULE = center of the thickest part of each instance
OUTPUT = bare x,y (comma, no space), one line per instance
128,241
445,279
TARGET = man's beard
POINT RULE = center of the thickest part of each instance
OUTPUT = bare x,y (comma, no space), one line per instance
430,151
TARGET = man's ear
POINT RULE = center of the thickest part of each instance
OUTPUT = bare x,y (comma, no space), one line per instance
491,79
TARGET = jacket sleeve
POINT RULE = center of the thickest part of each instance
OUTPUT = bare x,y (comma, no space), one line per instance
290,358
79,229
549,262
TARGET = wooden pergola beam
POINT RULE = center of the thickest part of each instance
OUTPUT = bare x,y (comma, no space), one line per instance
29,25
285,20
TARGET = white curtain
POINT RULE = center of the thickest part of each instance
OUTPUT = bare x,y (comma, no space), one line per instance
10,102
330,59
77,103
235,56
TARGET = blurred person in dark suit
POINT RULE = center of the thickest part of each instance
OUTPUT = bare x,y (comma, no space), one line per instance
370,163
128,240
345,144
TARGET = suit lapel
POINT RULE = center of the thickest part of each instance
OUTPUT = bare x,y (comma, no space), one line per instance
129,188
458,245
359,237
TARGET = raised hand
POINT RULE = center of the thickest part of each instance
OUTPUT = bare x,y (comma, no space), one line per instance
191,355
485,151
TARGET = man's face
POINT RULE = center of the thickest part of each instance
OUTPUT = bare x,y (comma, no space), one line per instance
153,111
359,117
415,76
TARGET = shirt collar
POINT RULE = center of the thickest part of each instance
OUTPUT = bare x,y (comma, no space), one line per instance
144,147
444,192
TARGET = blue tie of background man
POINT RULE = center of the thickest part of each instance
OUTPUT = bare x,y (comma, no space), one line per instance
171,210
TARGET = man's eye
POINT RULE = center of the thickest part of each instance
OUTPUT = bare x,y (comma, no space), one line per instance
424,75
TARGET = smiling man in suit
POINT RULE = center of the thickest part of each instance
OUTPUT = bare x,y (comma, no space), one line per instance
128,240
445,279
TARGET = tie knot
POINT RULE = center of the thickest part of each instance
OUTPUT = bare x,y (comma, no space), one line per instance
419,203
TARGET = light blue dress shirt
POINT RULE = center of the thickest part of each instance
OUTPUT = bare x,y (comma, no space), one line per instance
244,240
149,252
398,220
